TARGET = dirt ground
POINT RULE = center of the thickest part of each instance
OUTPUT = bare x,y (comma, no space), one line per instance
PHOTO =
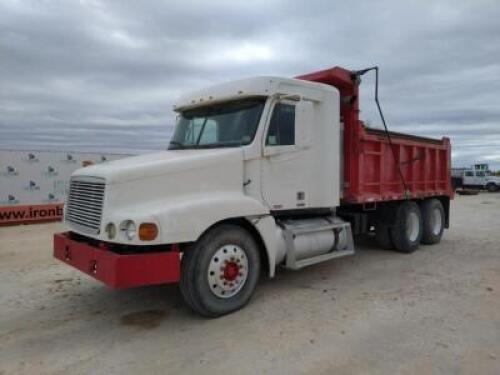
436,311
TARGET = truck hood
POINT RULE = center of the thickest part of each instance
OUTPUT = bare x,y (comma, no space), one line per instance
182,191
159,164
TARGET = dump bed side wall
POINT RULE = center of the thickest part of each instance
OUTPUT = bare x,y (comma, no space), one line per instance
370,169
425,165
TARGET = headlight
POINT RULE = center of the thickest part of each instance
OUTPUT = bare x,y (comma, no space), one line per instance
130,229
110,230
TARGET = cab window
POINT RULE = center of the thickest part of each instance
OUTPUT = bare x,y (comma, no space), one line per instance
227,124
282,126
209,135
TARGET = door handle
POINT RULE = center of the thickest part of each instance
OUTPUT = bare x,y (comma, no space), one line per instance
285,156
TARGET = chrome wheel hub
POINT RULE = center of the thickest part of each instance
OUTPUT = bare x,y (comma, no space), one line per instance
436,221
412,226
227,271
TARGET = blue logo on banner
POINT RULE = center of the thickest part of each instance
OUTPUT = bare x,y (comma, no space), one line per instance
31,158
10,171
51,171
69,159
11,199
50,198
32,186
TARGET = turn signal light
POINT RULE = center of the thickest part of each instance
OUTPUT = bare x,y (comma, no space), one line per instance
148,231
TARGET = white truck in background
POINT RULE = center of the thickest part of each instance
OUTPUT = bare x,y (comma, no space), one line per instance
478,176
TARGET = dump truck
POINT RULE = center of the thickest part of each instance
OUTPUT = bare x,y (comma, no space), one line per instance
260,173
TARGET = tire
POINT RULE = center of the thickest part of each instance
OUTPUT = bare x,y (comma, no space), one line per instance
213,278
492,187
407,232
434,218
383,237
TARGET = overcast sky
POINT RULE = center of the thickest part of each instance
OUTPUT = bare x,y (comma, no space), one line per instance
103,75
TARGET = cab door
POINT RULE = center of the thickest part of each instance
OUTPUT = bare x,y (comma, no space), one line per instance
480,178
285,174
469,178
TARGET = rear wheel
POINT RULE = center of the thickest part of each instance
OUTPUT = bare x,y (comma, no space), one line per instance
407,232
433,219
220,272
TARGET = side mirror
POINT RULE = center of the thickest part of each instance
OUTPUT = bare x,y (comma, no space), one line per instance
303,123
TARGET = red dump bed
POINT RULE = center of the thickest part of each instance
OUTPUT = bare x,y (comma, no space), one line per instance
418,167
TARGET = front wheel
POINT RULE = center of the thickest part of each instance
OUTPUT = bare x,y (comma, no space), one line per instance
220,271
491,187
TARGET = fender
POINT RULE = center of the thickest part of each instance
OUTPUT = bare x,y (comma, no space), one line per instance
185,220
275,249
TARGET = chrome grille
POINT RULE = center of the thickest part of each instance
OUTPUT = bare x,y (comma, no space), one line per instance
84,203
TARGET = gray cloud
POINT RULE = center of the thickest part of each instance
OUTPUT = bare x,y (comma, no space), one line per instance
95,75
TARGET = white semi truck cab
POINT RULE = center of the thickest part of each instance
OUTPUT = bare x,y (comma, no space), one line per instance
253,179
239,149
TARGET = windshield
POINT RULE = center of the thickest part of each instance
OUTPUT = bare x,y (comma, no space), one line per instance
228,124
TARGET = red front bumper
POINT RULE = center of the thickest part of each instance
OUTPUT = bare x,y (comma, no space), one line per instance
116,270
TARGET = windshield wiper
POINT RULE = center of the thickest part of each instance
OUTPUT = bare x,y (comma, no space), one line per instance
176,143
221,145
